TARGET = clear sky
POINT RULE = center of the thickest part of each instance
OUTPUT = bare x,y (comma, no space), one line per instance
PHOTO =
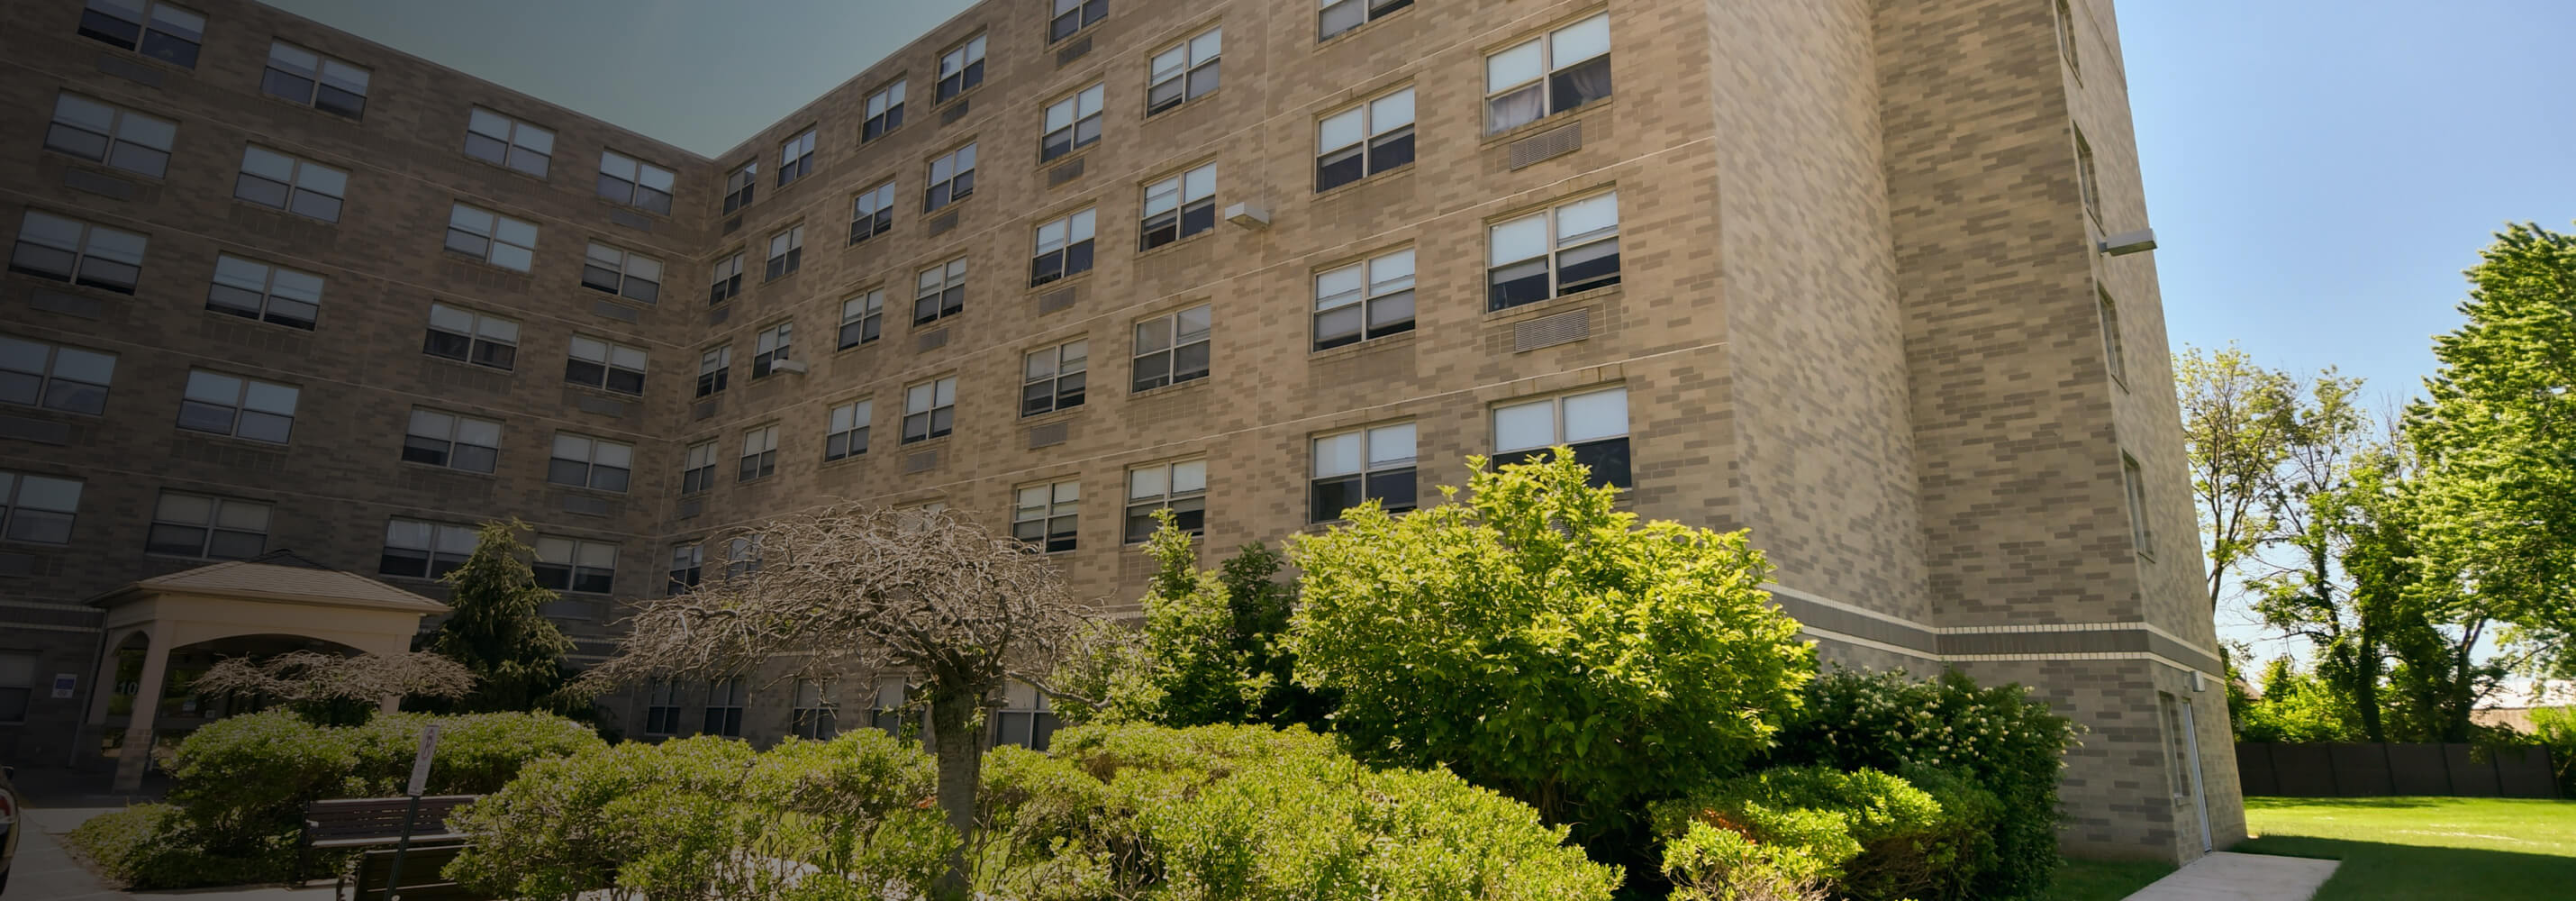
2318,172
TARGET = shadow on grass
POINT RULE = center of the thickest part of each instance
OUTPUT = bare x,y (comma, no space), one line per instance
2373,871
2104,880
2258,803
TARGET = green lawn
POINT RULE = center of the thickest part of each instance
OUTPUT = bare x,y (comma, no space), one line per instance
2484,849
2104,880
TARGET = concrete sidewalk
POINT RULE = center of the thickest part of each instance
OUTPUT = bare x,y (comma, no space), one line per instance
2225,876
45,871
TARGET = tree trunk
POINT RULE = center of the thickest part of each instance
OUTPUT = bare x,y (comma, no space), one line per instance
959,748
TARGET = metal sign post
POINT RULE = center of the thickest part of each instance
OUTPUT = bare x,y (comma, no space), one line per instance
419,782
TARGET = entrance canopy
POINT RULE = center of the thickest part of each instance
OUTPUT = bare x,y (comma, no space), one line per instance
274,594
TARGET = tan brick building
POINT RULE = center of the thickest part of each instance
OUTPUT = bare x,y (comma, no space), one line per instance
1827,269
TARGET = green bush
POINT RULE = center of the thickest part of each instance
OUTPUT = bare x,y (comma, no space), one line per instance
2554,728
1996,738
152,845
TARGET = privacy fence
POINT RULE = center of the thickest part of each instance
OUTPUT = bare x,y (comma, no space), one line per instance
2361,770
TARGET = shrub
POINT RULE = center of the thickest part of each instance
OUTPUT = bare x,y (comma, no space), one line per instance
1795,831
1542,643
2555,728
1996,738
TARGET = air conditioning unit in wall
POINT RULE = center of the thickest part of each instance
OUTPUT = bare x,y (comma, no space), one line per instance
795,366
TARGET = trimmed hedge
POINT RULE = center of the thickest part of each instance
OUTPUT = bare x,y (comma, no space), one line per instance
1799,831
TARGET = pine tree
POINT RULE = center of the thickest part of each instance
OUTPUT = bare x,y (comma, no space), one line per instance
497,628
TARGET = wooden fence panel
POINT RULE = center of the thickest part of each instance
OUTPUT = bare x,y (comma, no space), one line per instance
2362,770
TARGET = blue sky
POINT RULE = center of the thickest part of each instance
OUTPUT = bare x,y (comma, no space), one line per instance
2318,173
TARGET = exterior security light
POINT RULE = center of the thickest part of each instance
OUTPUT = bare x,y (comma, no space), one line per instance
1248,216
2126,243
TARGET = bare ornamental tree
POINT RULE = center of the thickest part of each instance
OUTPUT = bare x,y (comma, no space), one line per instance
852,591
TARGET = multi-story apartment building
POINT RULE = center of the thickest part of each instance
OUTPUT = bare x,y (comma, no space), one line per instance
1831,270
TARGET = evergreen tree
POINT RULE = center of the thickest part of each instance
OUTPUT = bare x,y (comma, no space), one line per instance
496,626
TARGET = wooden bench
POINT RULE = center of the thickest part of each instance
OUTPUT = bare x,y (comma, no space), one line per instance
341,824
421,880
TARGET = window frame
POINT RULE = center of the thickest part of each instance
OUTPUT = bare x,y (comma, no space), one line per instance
1058,515
15,524
1080,14
150,27
264,303
620,264
742,186
47,386
661,707
1498,297
2114,345
698,467
82,254
817,719
511,126
726,700
1138,508
883,110
210,529
638,179
1070,256
2088,178
1096,95
437,557
846,427
239,409
1189,66
1372,142
475,337
1559,434
771,346
866,222
941,193
1369,11
596,474
870,320
688,568
1190,214
796,157
759,458
715,369
1051,389
451,454
934,397
575,566
2142,531
1545,81
949,288
969,73
614,373
1172,349
1364,298
316,82
115,139
785,261
725,278
293,191
493,237
1367,476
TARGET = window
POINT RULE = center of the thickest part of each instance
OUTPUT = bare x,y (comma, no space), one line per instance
214,528
1370,299
471,337
952,177
1074,15
2066,35
1064,248
633,182
69,250
759,453
37,509
715,368
727,279
885,112
1543,76
813,716
624,273
742,556
1574,247
2087,180
121,138
771,348
1178,207
1172,349
699,474
940,292
593,363
503,141
260,291
303,76
1364,140
1024,719
571,564
1179,486
424,550
2113,352
55,377
491,237
786,252
1360,465
2136,484
724,708
1184,72
796,158
452,441
929,409
1047,515
739,186
1593,423
688,563
847,435
1072,123
1343,15
872,212
961,69
278,181
892,696
585,462
661,708
17,685
161,31
240,407
862,319
1052,379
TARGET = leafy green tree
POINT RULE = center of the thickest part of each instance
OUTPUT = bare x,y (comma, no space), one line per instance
497,628
2295,706
1212,651
1539,641
2237,421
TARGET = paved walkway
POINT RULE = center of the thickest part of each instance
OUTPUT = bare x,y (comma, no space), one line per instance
44,871
2227,876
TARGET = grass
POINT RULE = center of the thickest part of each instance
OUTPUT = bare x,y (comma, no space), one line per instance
2487,849
2104,880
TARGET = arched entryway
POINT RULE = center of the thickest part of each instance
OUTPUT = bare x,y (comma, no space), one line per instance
273,603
